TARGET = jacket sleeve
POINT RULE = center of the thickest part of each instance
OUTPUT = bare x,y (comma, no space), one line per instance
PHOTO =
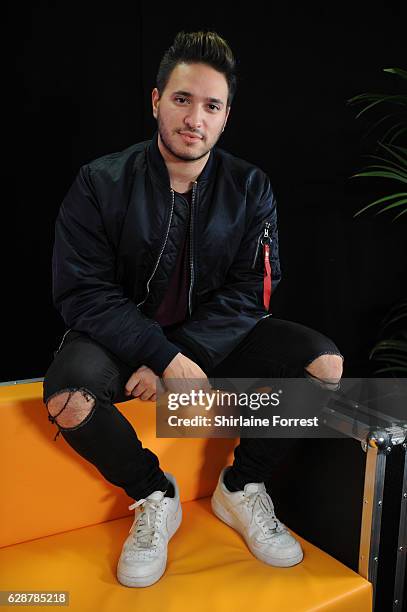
229,313
85,291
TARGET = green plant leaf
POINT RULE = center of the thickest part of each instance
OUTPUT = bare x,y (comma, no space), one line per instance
391,369
394,320
391,175
377,123
364,97
393,344
399,71
376,97
397,134
389,197
390,206
401,304
359,212
390,163
400,214
398,308
399,345
390,167
389,359
391,151
394,127
394,99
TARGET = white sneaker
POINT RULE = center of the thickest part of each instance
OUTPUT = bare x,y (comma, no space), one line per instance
144,556
251,513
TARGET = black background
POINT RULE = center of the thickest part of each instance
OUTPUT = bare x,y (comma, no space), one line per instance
81,88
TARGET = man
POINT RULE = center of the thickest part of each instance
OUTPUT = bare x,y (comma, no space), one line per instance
164,259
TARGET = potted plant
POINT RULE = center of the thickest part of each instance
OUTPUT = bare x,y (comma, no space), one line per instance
389,161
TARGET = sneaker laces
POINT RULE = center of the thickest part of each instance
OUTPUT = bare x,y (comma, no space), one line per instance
145,524
263,512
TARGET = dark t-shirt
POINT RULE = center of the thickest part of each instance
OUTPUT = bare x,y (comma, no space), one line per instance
174,306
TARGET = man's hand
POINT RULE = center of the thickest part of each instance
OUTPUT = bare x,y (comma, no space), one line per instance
142,384
182,374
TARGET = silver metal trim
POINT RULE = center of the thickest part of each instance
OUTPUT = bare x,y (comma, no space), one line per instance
353,427
402,540
377,519
23,381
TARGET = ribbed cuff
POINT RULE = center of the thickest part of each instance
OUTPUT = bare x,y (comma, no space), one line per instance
156,351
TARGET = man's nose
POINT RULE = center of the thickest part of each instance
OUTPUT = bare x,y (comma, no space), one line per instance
193,118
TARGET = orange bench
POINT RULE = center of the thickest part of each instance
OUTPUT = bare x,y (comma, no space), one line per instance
62,527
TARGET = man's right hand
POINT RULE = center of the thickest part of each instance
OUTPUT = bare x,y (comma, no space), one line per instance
182,374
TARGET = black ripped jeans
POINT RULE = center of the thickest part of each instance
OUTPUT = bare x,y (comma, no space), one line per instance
274,348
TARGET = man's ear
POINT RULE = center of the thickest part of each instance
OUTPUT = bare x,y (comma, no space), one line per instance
155,101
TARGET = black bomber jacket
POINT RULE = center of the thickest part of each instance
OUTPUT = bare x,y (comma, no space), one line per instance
113,257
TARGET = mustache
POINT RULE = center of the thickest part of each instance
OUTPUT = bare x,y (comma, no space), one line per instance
194,131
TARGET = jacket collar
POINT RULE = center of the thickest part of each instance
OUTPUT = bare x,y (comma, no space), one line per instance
159,169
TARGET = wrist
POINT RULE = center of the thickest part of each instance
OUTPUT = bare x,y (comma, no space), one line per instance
171,364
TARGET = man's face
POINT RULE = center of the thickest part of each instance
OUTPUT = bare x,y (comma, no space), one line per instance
192,110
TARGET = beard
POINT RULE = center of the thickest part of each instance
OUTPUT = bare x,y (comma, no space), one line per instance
166,135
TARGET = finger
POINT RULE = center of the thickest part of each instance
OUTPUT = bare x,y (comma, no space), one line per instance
131,383
139,389
147,394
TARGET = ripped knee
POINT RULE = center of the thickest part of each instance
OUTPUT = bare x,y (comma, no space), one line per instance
326,371
70,408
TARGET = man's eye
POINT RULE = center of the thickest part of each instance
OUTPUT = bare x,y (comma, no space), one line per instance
213,107
181,100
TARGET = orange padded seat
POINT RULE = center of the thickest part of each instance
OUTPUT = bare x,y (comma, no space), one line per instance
61,531
209,568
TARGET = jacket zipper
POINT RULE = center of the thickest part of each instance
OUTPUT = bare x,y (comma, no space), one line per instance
264,238
191,249
161,251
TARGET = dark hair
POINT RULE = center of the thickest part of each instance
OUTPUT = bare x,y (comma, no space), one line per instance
199,47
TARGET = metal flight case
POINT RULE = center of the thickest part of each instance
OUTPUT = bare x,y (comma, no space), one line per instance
347,494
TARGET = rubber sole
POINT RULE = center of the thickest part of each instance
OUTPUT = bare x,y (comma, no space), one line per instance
144,581
220,511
